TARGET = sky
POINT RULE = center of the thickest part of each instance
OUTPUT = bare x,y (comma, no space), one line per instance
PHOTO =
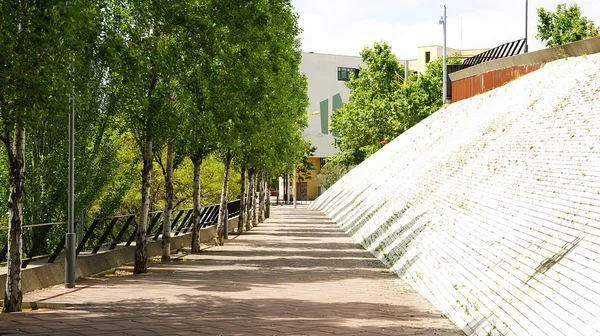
345,27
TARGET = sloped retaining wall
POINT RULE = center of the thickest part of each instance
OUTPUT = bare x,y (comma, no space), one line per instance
490,208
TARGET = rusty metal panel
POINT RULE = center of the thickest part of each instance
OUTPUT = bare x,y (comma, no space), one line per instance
472,86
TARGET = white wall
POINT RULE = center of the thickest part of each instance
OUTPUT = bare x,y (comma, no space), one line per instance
321,72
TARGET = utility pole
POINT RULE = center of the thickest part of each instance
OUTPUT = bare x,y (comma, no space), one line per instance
526,17
405,71
443,22
71,237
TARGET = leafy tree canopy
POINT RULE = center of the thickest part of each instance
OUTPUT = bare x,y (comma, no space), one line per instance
381,106
564,26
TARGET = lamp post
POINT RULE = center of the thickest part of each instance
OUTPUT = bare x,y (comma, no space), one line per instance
443,22
70,237
526,17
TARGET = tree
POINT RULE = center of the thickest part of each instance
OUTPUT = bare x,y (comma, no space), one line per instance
381,107
102,165
330,174
226,72
147,36
304,166
373,114
564,26
271,134
167,167
37,40
202,51
262,40
420,96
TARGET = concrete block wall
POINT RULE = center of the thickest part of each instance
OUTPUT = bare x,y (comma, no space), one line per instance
490,208
39,275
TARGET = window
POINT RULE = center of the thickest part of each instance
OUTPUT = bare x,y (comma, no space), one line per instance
344,73
427,56
322,162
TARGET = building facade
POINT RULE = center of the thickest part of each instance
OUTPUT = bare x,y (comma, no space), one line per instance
327,75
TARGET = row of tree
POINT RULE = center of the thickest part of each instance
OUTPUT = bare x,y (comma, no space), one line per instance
154,81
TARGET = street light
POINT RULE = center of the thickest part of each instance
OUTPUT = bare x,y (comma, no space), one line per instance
526,15
443,22
70,236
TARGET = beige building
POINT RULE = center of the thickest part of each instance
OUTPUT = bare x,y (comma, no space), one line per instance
327,75
427,54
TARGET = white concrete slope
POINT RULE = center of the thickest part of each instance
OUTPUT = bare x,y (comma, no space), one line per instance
490,208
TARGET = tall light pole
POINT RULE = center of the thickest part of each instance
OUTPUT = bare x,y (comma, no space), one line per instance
526,17
70,237
443,22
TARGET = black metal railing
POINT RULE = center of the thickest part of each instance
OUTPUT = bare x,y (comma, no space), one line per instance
47,240
501,51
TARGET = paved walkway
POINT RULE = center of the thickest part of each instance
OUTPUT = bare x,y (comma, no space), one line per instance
295,274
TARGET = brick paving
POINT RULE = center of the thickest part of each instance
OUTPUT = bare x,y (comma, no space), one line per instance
295,274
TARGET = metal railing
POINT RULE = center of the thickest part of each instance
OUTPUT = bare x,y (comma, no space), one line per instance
505,50
47,240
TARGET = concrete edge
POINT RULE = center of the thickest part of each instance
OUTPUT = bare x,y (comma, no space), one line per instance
102,263
35,305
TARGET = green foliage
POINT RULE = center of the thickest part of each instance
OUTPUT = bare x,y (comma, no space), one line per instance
39,44
214,75
564,26
145,37
275,102
192,68
211,178
304,167
381,106
330,173
372,115
50,51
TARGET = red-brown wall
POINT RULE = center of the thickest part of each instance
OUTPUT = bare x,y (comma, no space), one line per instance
472,86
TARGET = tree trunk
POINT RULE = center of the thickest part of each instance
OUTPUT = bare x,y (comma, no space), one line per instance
268,204
197,161
253,209
261,198
166,234
13,295
248,203
223,206
242,201
141,249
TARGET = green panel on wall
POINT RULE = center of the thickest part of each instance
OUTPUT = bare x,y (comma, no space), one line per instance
336,102
324,112
336,105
